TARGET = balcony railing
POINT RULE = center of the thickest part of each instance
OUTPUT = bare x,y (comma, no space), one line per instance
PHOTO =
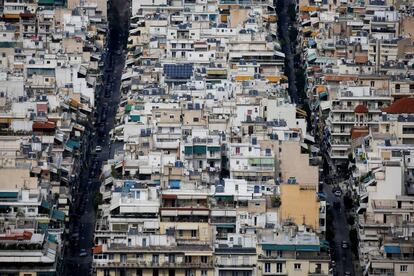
147,264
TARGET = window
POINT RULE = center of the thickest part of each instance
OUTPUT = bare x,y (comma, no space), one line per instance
297,266
188,259
203,272
268,253
267,267
155,258
279,268
193,233
189,272
403,268
171,258
279,253
195,119
204,259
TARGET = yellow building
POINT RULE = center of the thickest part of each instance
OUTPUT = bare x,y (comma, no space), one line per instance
299,204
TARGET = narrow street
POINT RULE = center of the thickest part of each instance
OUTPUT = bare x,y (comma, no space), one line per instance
341,256
288,46
79,242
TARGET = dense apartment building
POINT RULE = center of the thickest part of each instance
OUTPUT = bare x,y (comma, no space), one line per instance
48,75
202,181
358,56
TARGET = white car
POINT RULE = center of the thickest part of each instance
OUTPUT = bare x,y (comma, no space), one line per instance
98,149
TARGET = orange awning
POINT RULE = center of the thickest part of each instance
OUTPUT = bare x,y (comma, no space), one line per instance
11,16
308,8
243,78
274,78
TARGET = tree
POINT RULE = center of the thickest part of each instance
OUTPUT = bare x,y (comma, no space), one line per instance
348,201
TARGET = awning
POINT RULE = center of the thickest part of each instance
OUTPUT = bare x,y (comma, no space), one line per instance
307,247
42,227
213,149
45,204
52,238
59,215
274,78
128,108
198,253
174,184
389,265
11,16
169,196
392,249
200,149
135,118
8,194
186,226
72,144
188,150
243,78
227,226
98,249
224,197
281,247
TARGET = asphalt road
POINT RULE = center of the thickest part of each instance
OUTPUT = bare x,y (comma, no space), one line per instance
288,46
80,241
341,256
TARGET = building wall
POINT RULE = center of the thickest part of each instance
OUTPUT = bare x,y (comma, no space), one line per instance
299,205
301,170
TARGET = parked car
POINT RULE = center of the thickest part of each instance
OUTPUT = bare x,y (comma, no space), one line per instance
83,253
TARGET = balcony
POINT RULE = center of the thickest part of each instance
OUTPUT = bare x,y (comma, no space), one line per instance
147,264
